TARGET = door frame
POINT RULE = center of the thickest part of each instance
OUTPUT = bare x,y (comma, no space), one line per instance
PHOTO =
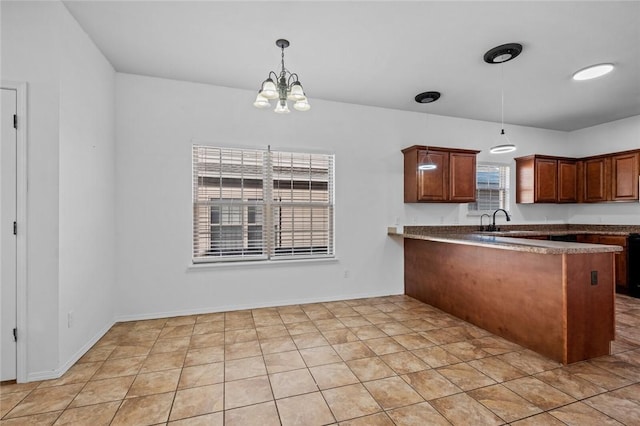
21,218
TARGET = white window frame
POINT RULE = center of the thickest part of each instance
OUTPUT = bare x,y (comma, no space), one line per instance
321,231
505,203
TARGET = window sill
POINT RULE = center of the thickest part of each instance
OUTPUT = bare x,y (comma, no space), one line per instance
258,263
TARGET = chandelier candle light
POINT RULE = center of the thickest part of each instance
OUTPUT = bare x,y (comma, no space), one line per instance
500,55
283,87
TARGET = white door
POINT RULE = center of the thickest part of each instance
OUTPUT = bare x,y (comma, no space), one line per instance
7,235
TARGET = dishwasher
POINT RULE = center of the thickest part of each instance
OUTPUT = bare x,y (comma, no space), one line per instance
634,265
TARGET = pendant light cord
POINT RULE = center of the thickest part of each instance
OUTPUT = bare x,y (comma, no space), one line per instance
502,93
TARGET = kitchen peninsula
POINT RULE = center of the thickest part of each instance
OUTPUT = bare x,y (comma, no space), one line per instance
554,297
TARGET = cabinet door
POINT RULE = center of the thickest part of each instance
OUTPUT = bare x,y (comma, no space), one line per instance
588,238
621,258
462,177
595,180
567,181
433,184
546,180
624,177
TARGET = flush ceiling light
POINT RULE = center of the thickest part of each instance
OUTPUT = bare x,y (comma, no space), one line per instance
500,55
283,87
594,71
427,98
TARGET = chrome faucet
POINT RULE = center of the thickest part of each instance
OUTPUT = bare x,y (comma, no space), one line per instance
481,217
492,227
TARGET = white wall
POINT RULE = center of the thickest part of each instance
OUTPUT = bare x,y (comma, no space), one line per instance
620,135
70,195
30,53
87,191
157,120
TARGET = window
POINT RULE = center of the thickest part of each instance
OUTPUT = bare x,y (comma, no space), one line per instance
255,204
492,188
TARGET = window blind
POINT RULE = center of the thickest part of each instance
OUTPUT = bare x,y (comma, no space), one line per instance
492,187
256,204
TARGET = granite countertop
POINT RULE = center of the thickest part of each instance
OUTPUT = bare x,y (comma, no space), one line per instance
516,244
506,239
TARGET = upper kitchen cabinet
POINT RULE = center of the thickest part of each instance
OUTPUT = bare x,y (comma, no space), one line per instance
597,179
624,176
546,179
439,175
612,177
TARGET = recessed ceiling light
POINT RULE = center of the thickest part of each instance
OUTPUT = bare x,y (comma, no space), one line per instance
427,97
593,71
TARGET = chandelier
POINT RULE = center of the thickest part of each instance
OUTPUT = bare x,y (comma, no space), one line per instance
283,87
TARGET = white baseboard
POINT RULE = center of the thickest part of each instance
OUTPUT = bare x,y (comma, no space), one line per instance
58,372
227,308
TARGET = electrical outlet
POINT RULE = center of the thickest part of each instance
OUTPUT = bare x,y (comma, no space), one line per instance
346,273
594,277
70,319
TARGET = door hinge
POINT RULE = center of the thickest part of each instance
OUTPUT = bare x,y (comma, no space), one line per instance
15,334
15,228
15,121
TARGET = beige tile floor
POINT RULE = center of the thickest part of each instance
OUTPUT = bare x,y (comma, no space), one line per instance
380,361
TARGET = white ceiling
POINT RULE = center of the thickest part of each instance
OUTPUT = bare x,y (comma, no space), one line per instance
384,53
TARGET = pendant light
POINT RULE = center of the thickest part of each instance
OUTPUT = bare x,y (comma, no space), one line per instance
500,55
427,98
283,86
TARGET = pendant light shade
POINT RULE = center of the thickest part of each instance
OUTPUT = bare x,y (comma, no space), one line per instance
302,105
269,90
503,146
427,166
282,108
296,93
261,102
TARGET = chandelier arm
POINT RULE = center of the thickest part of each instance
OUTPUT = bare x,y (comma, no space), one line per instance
274,75
292,76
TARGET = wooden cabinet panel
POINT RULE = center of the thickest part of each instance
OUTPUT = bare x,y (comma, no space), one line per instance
452,181
546,180
621,258
525,180
462,177
543,302
433,185
624,177
596,180
567,181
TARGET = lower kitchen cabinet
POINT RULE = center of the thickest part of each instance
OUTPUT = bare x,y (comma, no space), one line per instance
621,258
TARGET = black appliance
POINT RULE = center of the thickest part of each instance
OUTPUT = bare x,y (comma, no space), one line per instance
634,265
570,238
